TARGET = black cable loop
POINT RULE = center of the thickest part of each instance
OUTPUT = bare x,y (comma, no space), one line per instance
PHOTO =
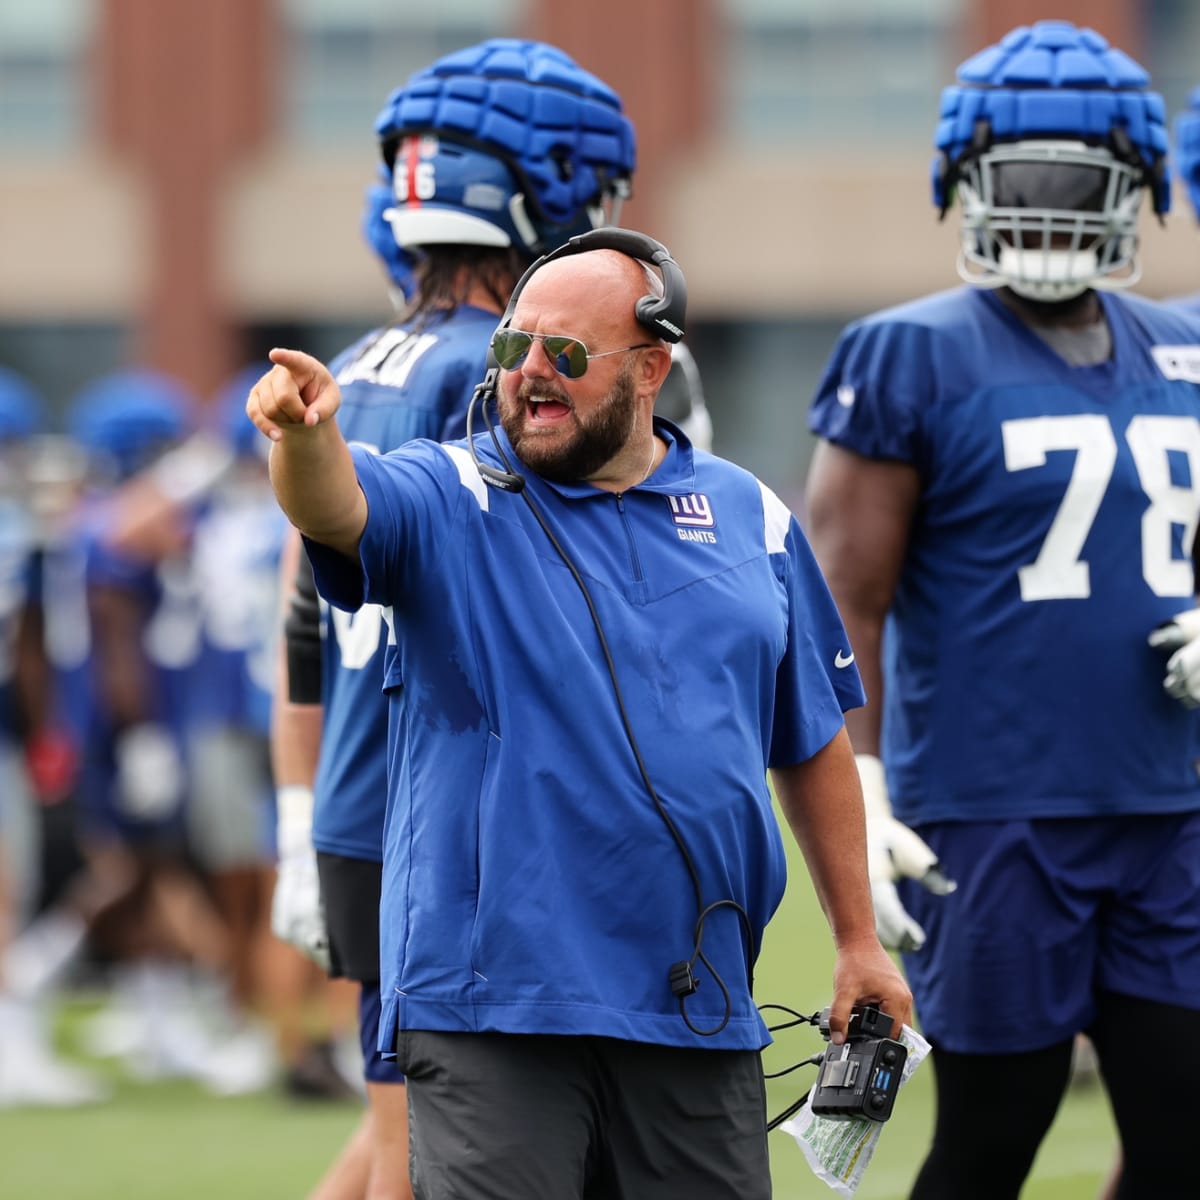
799,1018
811,1061
702,910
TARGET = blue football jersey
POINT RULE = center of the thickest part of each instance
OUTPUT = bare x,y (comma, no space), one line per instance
170,634
1057,513
60,590
237,544
397,384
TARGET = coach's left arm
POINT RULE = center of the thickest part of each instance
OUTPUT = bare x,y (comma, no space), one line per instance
821,799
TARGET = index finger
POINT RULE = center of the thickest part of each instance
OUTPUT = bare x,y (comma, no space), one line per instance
316,386
274,401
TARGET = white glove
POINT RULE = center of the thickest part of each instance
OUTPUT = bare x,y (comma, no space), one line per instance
297,913
149,779
1182,635
894,852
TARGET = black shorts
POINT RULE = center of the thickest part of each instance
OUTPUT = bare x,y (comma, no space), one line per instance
350,889
582,1118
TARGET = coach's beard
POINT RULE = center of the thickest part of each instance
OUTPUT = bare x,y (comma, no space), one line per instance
583,446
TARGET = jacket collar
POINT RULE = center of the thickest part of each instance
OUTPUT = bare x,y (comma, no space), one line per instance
674,476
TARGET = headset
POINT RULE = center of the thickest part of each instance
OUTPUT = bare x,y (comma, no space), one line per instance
663,316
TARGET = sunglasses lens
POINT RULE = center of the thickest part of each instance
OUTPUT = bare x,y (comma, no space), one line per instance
510,347
568,356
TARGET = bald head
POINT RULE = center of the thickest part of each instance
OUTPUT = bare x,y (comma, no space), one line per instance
597,289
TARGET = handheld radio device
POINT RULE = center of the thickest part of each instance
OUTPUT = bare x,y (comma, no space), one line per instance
860,1078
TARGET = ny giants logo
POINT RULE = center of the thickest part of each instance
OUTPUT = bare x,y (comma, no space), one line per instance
693,517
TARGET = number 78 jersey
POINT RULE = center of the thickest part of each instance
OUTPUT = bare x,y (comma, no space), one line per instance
1054,529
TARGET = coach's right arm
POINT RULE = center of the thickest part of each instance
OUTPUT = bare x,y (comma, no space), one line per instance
312,471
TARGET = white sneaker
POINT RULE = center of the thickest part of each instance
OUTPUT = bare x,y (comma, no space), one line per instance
112,1032
32,1074
242,1063
174,1046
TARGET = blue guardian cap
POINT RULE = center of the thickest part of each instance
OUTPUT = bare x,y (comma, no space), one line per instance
126,419
20,407
506,143
1047,140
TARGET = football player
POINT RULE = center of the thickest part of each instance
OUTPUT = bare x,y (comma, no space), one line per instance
127,679
41,930
1004,503
1187,167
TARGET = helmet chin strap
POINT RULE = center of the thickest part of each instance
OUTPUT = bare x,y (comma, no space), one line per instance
523,225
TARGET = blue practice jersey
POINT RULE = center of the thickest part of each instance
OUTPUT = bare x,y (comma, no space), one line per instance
170,631
60,590
1057,514
237,544
397,384
529,883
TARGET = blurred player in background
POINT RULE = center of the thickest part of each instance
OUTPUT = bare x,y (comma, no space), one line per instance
477,186
1004,504
236,543
197,512
125,690
41,929
1187,166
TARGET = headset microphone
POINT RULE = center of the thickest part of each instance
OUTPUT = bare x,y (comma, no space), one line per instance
483,395
507,481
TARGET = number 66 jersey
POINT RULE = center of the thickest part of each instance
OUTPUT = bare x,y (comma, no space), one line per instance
1054,530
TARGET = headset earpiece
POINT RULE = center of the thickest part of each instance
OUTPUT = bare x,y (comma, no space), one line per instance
663,315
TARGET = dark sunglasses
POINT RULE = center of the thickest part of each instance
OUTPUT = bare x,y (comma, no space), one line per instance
569,355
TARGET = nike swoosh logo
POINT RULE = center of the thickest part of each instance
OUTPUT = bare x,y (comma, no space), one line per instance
842,661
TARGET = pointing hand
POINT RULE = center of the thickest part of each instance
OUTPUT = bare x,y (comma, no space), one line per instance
297,393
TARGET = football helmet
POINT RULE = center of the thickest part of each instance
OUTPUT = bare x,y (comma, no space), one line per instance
20,407
377,231
1047,140
1187,148
230,419
681,398
506,143
126,419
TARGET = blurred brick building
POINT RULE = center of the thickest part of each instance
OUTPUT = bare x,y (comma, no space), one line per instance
181,180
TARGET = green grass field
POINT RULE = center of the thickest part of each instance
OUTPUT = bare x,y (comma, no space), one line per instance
172,1142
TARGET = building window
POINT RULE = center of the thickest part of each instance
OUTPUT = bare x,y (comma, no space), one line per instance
346,56
832,72
43,81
